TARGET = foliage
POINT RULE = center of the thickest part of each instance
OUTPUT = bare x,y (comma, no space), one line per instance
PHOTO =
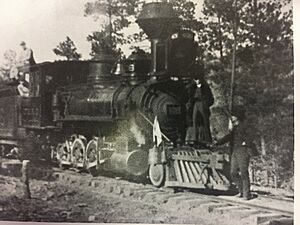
10,61
118,13
264,74
101,43
121,14
67,49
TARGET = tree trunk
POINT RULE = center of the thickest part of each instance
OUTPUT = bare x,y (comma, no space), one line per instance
275,168
220,39
263,146
2,148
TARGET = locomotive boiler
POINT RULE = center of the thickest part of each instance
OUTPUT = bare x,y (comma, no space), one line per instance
127,117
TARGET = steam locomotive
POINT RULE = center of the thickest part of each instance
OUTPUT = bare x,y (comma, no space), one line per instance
127,117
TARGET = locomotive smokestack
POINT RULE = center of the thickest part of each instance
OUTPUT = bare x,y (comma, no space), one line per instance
159,22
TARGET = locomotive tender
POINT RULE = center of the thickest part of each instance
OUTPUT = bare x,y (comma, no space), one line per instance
91,117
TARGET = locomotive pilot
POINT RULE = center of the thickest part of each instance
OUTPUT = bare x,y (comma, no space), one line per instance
242,149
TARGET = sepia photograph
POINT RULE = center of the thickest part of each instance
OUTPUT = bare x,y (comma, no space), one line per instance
147,111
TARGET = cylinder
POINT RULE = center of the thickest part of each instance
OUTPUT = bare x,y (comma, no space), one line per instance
134,162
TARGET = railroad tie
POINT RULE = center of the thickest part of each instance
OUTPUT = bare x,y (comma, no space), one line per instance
227,209
192,203
282,221
242,212
211,206
118,189
176,200
199,204
264,217
128,191
153,196
164,198
140,193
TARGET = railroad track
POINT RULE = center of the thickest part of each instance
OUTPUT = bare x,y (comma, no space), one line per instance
283,199
257,211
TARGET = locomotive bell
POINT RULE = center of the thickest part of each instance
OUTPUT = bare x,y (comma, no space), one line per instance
159,22
119,69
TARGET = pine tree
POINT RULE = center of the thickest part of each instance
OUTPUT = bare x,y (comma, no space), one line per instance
122,13
67,49
264,78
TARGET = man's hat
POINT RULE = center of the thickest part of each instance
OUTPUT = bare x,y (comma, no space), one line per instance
22,43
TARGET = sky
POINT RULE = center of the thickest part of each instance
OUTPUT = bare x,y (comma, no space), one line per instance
42,24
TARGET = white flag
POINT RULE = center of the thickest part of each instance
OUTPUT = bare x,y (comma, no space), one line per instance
230,125
157,136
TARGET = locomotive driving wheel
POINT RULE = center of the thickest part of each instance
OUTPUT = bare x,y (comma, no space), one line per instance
91,156
64,154
157,174
78,152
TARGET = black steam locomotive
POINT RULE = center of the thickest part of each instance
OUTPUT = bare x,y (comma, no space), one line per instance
127,117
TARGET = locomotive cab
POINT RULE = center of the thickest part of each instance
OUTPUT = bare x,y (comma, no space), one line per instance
37,109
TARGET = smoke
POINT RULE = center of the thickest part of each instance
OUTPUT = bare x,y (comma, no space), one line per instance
137,133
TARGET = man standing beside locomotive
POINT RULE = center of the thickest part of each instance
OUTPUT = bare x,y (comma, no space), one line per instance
243,149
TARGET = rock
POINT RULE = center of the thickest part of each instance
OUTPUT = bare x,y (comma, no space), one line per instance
65,214
91,218
76,214
50,194
71,193
81,205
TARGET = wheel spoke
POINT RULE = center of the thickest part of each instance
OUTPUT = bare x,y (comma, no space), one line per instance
91,152
78,153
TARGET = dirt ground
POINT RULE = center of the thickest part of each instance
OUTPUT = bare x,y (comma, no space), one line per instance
58,202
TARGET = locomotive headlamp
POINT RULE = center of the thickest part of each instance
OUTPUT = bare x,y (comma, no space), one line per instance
131,67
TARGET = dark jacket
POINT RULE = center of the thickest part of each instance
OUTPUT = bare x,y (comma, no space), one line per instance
240,136
199,94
